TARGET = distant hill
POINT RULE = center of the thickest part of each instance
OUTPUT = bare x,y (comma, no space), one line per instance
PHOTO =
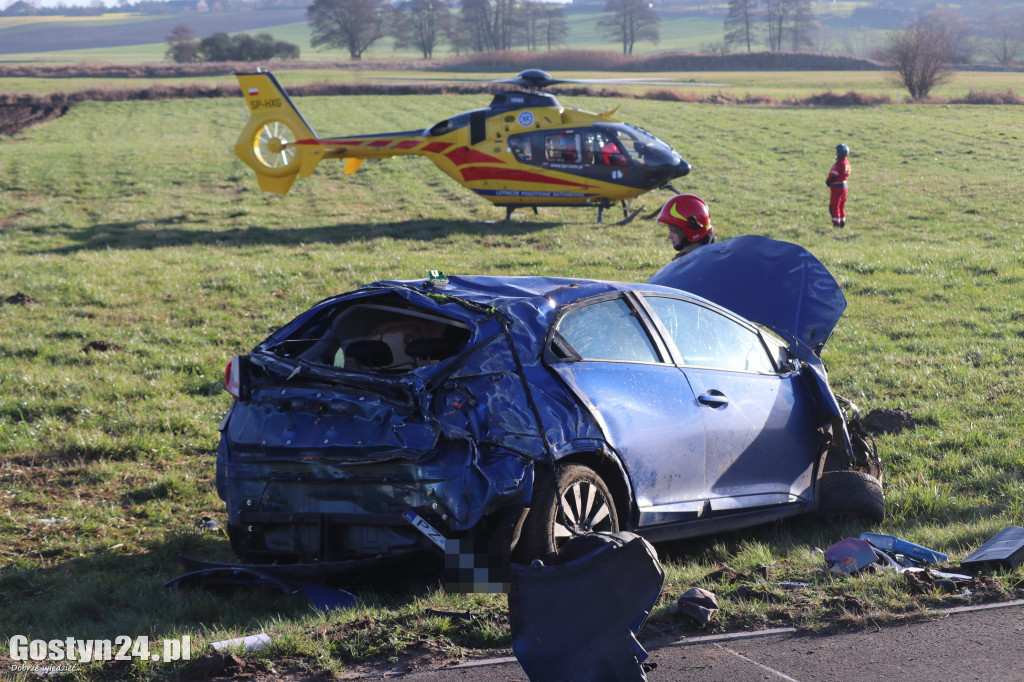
54,34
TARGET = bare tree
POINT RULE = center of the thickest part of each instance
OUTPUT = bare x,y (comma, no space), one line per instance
920,56
1004,38
422,24
741,23
489,24
955,30
540,23
347,24
554,29
789,21
776,12
527,24
629,21
802,25
182,47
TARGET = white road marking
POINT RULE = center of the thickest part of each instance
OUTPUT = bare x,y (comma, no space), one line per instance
773,671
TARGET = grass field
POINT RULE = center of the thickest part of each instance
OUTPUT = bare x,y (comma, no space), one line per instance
133,224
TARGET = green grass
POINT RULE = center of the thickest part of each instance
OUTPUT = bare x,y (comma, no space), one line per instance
133,223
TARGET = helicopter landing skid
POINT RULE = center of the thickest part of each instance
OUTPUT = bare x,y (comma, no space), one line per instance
509,209
629,218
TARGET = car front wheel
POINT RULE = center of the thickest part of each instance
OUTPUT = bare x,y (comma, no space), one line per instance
852,493
571,500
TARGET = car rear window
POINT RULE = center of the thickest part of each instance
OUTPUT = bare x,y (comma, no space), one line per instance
376,335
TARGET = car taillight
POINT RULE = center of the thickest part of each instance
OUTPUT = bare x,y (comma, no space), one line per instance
232,384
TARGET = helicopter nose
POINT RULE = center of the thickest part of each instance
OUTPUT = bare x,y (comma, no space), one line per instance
683,168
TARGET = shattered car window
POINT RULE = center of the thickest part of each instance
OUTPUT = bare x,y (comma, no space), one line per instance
707,339
376,335
607,331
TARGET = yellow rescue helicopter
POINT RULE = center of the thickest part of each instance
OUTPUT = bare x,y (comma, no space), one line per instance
524,150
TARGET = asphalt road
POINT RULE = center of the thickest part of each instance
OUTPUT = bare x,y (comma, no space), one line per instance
984,643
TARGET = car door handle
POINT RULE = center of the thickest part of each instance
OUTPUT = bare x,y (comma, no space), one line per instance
713,398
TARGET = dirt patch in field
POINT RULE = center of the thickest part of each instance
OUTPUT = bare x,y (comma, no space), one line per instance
221,666
101,347
20,299
888,421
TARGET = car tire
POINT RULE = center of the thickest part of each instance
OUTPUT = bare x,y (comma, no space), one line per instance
851,493
568,501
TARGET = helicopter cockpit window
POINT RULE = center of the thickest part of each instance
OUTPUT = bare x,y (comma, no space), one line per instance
599,149
521,146
634,147
562,148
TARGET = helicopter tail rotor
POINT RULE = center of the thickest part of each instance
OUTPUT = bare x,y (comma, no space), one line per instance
277,142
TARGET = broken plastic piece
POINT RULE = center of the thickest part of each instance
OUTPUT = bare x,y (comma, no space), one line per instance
849,556
697,603
250,643
568,625
901,568
206,523
891,543
1005,548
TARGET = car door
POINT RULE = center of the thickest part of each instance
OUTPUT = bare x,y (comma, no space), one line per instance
761,434
642,402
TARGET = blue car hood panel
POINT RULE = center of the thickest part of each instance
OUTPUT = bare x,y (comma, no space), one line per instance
777,284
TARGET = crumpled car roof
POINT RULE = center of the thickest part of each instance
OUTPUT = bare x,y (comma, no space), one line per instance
779,285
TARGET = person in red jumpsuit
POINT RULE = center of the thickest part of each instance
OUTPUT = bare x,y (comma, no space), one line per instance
837,182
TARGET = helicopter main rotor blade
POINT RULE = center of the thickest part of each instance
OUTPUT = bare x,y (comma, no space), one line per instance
538,83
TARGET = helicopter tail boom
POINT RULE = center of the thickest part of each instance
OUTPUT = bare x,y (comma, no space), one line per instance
277,142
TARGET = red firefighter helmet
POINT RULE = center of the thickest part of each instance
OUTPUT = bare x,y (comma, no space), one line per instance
690,214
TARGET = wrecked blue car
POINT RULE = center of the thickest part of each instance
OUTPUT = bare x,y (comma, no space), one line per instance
383,422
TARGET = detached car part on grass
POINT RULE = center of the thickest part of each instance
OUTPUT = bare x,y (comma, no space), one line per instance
532,409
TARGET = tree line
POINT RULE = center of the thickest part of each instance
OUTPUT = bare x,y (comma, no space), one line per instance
474,26
922,54
425,25
790,26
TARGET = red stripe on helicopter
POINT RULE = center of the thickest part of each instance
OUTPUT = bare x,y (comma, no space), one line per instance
436,147
491,173
407,144
381,143
464,155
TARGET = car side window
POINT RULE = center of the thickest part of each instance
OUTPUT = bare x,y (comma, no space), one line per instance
706,338
607,331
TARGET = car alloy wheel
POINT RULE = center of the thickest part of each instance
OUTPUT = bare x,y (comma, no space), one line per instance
571,500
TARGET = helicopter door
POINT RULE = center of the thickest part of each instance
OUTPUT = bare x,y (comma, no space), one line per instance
602,156
562,149
601,150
